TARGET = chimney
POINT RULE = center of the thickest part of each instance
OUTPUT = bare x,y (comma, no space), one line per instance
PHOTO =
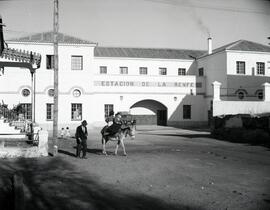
209,45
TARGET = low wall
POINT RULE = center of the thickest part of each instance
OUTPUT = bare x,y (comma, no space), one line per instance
221,108
35,151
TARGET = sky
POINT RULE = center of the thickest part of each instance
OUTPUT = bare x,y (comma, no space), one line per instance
177,24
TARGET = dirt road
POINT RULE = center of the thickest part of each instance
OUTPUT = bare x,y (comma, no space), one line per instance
166,168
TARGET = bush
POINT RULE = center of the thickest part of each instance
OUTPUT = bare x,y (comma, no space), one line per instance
242,135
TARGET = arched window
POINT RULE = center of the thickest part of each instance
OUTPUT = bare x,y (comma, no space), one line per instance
51,92
25,92
241,94
76,93
259,94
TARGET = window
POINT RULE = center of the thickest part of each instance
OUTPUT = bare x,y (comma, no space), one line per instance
240,67
76,62
123,70
198,85
162,71
103,69
25,92
49,61
107,109
260,68
186,111
49,111
143,70
76,111
181,71
27,111
51,92
76,93
241,95
201,72
259,94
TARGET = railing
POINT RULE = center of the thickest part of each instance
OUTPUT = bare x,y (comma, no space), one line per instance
21,56
11,116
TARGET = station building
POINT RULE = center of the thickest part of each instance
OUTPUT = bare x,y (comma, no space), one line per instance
158,86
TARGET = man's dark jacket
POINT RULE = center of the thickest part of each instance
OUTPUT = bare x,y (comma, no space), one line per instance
80,134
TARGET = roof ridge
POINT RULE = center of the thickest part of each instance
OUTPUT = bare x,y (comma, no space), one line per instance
146,53
150,48
241,45
47,37
232,44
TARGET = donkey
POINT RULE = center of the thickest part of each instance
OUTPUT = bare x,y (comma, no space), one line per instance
128,129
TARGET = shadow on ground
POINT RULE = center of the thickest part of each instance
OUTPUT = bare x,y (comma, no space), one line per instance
53,183
181,135
72,154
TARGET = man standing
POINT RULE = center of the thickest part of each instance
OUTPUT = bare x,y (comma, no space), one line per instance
81,138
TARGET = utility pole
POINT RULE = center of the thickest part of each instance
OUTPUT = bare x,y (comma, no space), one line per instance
55,46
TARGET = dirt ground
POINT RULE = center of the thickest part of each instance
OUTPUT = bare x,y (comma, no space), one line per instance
166,168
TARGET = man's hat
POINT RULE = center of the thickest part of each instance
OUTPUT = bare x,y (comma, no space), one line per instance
84,122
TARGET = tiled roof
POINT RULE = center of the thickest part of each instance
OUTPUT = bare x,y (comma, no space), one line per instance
146,53
47,37
242,45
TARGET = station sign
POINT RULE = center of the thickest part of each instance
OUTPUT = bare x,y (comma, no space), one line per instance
113,83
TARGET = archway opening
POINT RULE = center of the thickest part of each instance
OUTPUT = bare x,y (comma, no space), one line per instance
149,112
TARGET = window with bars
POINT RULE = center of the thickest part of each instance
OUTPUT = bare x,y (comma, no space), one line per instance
123,70
260,68
162,71
143,70
49,112
76,112
76,62
181,71
107,109
186,111
103,69
49,61
240,67
27,111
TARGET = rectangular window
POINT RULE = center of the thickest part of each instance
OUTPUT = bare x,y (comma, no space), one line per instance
103,69
201,72
240,67
27,111
76,62
162,71
49,61
107,109
260,68
181,71
49,111
123,70
76,112
143,70
186,111
198,84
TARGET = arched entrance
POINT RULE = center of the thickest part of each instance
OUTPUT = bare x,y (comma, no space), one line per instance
149,112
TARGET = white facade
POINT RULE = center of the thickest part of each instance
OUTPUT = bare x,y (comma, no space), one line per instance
221,66
148,95
132,92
